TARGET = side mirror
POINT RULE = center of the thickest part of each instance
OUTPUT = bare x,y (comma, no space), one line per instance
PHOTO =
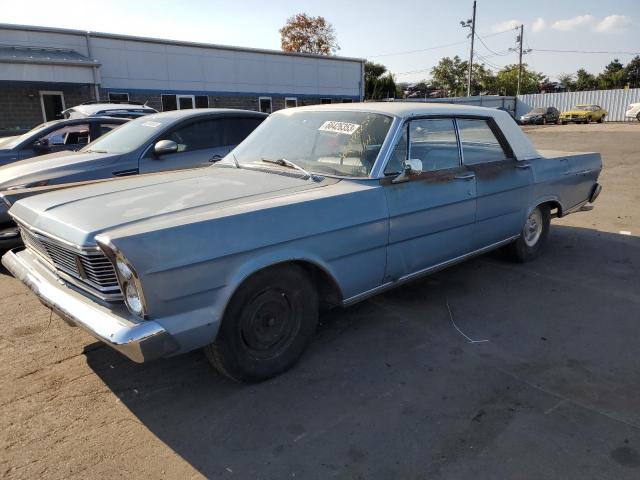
42,146
164,147
412,166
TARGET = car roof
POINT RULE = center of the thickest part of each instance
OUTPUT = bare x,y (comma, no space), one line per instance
93,108
403,109
190,113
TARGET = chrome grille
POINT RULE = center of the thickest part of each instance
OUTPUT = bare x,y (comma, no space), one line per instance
90,270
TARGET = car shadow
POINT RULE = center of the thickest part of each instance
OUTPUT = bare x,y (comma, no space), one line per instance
392,372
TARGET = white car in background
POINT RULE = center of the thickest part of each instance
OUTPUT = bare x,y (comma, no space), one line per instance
119,110
633,111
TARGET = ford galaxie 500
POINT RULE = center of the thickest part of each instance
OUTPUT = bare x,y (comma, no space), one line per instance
322,205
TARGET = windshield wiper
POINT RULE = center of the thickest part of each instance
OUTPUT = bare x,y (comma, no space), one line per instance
283,162
95,151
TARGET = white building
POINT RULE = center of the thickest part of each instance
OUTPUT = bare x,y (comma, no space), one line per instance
43,70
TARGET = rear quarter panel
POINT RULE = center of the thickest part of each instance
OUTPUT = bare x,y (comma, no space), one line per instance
565,177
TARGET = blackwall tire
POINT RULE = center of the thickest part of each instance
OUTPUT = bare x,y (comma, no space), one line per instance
266,326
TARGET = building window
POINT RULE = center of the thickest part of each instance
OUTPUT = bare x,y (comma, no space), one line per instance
265,104
186,102
183,102
52,104
347,100
202,101
290,102
118,97
325,101
169,102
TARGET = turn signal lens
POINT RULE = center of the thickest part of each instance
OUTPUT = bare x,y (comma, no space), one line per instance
132,298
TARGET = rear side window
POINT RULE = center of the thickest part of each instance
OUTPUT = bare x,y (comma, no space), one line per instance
237,129
479,143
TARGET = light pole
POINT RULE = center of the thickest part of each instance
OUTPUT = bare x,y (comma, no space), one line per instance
520,40
471,23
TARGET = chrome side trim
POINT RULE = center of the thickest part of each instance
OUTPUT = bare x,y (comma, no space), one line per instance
425,271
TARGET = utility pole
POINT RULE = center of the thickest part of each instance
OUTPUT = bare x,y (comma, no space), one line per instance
520,38
471,23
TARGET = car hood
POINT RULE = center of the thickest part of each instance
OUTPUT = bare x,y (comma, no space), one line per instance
76,215
54,168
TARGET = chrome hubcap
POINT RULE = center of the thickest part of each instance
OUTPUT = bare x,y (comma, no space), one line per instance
532,228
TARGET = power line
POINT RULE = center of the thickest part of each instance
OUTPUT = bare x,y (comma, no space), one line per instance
409,52
487,47
586,51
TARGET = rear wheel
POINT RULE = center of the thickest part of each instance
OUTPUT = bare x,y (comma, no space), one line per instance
267,325
601,119
638,116
533,235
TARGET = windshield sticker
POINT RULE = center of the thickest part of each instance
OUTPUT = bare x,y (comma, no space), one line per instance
151,124
339,127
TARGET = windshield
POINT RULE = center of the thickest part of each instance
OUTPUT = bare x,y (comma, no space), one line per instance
342,143
585,107
126,138
539,110
14,141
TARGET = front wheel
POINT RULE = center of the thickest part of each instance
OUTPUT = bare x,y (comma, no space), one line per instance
266,326
533,235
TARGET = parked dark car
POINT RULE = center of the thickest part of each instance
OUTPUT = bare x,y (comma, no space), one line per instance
56,136
164,141
541,116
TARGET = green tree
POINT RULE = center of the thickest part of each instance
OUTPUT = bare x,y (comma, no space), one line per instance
632,71
613,76
507,80
567,82
585,80
378,83
450,74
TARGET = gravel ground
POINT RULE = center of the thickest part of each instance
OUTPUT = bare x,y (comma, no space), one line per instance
389,388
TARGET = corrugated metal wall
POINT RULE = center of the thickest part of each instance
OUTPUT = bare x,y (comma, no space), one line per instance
614,101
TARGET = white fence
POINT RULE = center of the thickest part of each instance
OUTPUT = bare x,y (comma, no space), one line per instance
613,101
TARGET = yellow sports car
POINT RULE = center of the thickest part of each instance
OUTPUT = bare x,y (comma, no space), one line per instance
584,114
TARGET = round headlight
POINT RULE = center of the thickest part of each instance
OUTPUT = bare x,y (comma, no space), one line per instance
132,297
124,270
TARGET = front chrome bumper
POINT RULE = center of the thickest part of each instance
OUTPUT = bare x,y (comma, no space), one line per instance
139,340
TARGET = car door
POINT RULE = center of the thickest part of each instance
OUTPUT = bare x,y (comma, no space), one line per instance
503,184
431,215
200,142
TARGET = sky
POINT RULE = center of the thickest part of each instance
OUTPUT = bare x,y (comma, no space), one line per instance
409,37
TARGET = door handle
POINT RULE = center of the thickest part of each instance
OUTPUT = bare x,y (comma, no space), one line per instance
523,165
465,176
215,158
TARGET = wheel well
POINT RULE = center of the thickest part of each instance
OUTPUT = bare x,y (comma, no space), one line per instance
553,205
329,293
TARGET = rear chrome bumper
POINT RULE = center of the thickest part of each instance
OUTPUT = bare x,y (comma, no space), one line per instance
139,340
597,188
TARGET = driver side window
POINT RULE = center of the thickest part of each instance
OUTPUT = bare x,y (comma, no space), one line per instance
197,136
432,141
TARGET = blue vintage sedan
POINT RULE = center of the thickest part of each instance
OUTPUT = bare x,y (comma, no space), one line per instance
323,205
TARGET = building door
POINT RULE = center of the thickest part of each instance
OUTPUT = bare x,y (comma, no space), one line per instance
52,104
